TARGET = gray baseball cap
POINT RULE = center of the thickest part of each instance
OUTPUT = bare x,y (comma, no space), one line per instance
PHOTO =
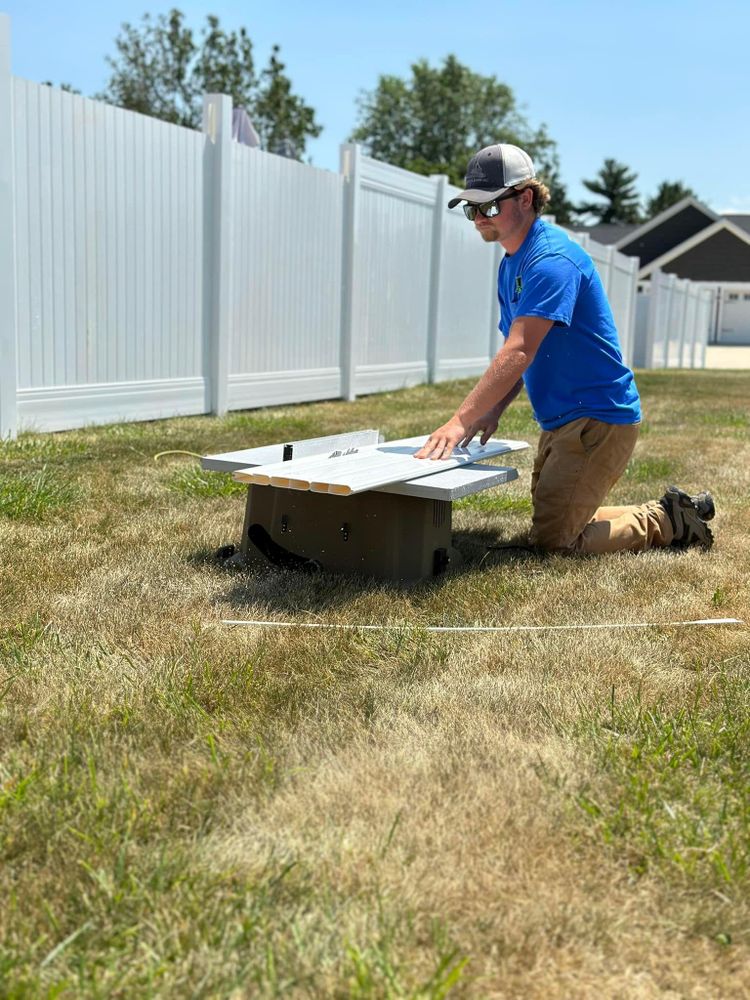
492,171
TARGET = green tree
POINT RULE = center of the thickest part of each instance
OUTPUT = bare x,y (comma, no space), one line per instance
667,194
435,120
67,87
279,115
559,204
162,70
616,183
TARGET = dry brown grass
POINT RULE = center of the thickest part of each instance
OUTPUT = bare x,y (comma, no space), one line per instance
191,810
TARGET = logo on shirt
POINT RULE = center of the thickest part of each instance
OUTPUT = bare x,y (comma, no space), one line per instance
519,285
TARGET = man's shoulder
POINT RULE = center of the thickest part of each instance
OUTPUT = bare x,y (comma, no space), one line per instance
550,243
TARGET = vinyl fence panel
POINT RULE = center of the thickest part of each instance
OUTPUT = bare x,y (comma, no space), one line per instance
676,324
467,307
286,280
659,316
8,313
700,316
674,320
109,219
392,274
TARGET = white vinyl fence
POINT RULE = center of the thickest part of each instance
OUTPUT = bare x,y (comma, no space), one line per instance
674,319
148,270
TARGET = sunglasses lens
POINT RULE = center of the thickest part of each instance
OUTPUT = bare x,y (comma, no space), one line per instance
490,208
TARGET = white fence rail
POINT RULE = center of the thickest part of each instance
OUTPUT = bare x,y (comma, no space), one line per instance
674,319
148,270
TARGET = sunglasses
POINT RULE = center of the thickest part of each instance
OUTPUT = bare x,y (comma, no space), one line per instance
490,208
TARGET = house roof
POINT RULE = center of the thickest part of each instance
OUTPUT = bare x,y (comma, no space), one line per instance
606,232
688,238
725,239
679,208
677,223
743,221
670,228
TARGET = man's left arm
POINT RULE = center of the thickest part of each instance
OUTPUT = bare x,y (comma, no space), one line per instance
503,374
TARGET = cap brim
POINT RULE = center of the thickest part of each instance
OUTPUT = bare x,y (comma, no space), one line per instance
476,196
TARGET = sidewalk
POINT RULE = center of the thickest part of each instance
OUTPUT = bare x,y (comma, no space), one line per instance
726,356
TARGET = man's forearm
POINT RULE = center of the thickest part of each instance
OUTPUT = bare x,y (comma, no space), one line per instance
498,386
499,408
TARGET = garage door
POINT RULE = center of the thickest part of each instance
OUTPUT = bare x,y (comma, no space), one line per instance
734,316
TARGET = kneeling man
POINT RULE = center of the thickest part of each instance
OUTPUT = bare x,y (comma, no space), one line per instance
562,343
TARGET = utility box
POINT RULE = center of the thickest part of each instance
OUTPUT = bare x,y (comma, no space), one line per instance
376,534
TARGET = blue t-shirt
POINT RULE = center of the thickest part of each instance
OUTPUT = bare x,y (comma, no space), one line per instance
578,370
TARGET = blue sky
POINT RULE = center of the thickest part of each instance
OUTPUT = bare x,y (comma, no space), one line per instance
662,86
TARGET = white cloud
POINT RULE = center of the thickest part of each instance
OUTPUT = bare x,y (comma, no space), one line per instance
737,204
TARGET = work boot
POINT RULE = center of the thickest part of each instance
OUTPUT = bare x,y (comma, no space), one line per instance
684,513
704,505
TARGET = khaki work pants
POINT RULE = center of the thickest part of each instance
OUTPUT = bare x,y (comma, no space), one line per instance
575,467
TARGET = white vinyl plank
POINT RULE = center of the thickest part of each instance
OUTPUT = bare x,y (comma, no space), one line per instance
453,484
369,467
270,454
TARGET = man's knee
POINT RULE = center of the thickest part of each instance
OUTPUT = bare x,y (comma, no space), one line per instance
553,538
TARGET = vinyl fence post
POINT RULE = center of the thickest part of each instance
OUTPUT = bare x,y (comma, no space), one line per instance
436,270
493,345
721,294
671,280
8,313
679,315
705,301
608,266
217,260
652,322
661,320
633,267
707,295
690,326
350,165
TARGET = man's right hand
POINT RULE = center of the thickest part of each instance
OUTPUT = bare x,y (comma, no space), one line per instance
440,443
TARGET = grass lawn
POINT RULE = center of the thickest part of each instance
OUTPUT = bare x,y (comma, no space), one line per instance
190,810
